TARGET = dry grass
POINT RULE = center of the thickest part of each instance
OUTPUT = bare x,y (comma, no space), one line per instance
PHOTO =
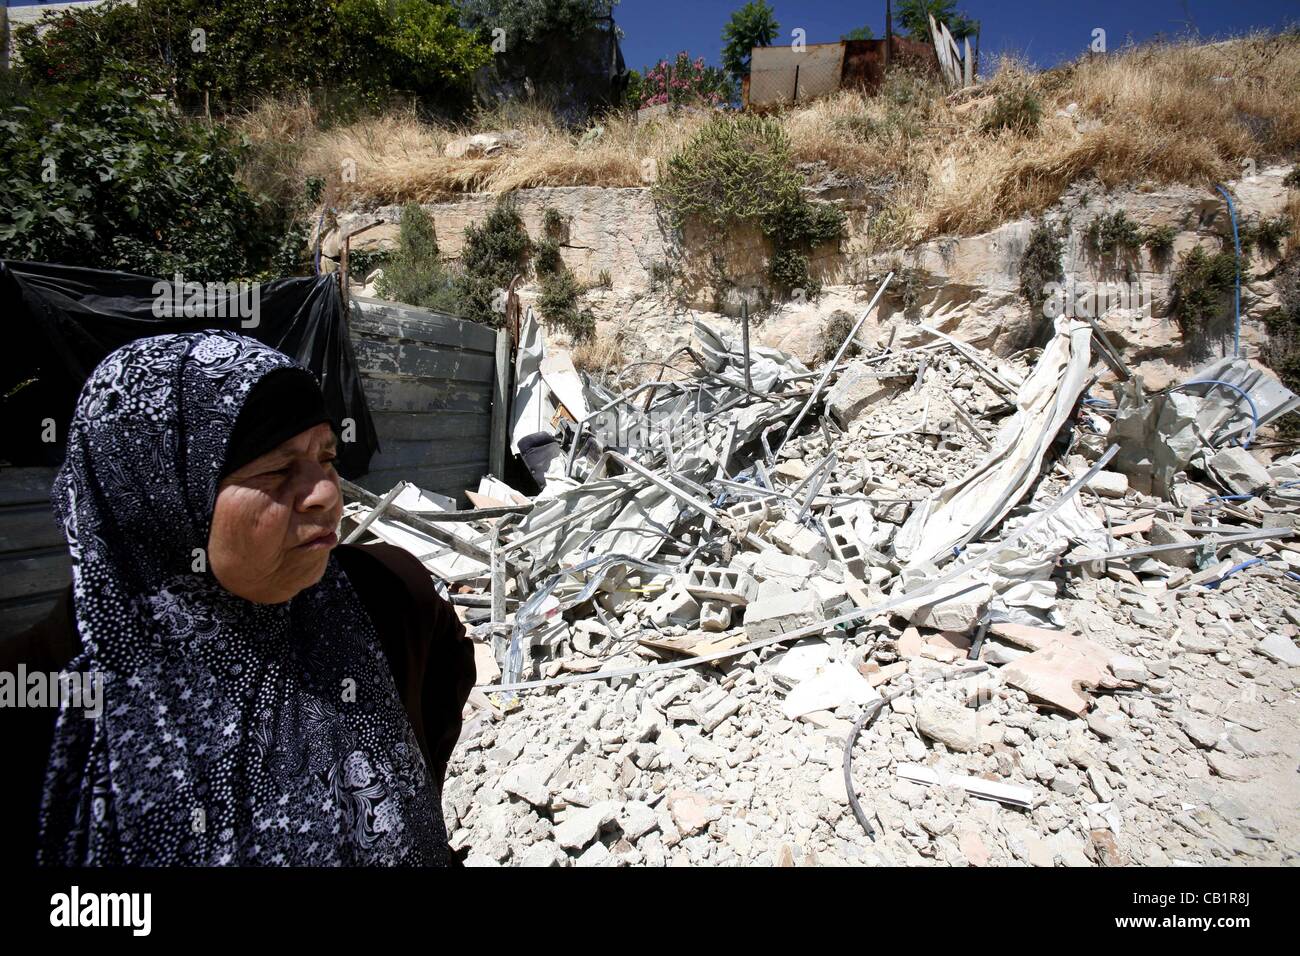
1156,114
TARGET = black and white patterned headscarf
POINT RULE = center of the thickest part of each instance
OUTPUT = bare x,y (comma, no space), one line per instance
231,733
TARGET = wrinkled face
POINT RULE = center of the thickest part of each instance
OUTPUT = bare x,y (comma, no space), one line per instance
274,523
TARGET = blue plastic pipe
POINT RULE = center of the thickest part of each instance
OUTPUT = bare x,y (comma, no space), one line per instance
1254,412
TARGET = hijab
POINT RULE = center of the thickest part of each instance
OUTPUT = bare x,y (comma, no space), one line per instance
230,732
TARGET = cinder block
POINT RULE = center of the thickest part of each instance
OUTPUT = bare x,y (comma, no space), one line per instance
726,585
768,617
749,514
845,545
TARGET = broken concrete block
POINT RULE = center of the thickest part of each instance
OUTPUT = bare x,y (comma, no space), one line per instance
956,606
834,686
581,824
845,545
954,726
831,593
1108,484
748,514
528,782
1125,667
768,617
795,539
675,606
801,661
1238,471
792,469
856,390
691,812
894,512
1281,649
1162,532
789,569
714,709
723,585
714,617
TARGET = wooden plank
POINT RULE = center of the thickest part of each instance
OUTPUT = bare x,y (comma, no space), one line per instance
423,362
25,527
499,437
375,316
16,618
412,395
447,451
32,574
23,486
427,426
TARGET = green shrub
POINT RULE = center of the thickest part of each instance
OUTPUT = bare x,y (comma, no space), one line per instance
413,272
835,330
1282,352
495,252
1106,235
1016,109
558,304
101,175
738,169
553,224
547,261
1267,234
1040,264
1159,241
1199,292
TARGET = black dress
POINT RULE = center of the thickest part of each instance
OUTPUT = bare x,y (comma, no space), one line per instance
431,659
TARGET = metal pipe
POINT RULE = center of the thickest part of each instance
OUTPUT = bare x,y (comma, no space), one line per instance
375,512
703,507
830,368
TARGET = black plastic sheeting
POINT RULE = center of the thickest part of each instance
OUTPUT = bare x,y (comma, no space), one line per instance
59,322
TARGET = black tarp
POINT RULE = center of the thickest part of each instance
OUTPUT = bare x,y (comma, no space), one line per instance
59,322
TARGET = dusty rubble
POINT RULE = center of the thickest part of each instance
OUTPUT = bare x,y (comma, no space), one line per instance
956,566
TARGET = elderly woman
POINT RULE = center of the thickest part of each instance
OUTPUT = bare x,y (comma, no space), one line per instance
266,699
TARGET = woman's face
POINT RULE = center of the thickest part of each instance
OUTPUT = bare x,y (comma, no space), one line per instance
274,523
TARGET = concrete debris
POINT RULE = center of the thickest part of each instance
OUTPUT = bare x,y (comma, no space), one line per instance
1067,623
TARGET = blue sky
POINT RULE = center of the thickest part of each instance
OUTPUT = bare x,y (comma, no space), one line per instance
1046,32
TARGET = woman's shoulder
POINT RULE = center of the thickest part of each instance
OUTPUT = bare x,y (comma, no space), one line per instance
394,586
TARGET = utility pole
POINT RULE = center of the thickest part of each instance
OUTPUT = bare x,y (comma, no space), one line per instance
889,31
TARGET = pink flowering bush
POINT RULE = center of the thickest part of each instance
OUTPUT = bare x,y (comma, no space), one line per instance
680,82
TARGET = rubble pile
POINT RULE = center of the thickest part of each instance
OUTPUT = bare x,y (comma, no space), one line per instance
922,605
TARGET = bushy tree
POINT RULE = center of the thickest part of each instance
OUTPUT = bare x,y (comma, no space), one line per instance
752,25
914,17
861,33
226,53
528,21
100,174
